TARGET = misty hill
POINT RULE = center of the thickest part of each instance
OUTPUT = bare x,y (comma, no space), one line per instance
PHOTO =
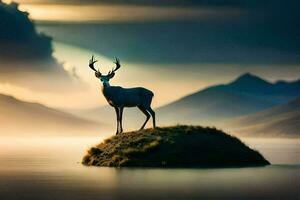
282,120
245,95
19,118
177,146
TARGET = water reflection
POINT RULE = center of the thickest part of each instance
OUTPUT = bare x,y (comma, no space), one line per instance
51,169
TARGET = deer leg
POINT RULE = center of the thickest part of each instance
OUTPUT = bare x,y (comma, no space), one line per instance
147,116
152,114
121,117
117,113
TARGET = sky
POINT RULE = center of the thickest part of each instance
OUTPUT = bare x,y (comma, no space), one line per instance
170,46
224,31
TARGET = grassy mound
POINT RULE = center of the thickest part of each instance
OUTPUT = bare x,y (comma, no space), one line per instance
178,146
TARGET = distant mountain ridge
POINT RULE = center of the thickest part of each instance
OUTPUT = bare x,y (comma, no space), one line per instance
254,86
20,118
290,107
281,120
245,95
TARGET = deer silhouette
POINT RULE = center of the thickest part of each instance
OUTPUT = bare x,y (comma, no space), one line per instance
119,97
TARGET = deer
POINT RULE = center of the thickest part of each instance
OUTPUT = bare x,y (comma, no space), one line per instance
119,97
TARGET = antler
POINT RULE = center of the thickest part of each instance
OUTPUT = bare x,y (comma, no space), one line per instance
118,65
91,65
117,62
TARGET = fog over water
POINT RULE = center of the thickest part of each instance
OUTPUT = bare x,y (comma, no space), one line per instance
50,168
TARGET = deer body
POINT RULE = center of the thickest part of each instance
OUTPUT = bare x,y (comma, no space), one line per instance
119,97
127,97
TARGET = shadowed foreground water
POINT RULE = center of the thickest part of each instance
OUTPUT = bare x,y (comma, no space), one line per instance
50,169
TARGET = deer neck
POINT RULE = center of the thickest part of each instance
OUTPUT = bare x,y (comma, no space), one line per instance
107,93
105,87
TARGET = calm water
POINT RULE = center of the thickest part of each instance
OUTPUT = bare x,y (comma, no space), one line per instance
51,169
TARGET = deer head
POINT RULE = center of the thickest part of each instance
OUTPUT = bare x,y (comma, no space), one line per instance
104,78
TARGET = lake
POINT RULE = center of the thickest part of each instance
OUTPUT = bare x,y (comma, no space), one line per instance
50,168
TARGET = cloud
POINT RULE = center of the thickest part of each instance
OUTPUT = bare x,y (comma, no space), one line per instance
253,4
26,55
181,31
124,13
139,2
266,32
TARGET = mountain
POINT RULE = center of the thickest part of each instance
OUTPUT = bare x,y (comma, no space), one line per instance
279,121
245,95
19,118
253,86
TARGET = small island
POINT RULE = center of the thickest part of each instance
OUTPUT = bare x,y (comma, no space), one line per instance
176,146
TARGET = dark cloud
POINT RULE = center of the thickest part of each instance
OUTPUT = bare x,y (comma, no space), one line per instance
267,31
24,51
242,40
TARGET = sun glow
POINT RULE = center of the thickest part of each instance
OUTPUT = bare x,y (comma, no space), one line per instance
103,13
7,1
161,82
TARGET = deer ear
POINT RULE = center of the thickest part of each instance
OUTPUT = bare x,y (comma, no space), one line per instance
112,75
